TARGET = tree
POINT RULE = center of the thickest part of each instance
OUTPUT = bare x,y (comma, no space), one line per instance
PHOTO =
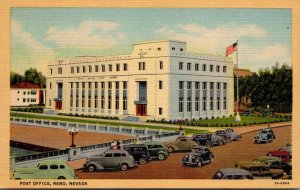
33,76
270,86
15,78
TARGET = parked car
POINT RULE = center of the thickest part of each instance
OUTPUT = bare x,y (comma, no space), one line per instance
232,173
139,152
50,169
274,163
284,155
208,139
199,156
157,150
181,144
287,148
246,112
228,135
264,136
110,159
259,169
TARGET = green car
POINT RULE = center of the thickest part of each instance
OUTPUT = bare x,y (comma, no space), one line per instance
50,169
157,150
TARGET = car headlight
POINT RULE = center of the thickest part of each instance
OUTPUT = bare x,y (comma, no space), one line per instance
193,157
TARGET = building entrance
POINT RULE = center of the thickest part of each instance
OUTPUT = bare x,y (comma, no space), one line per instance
141,109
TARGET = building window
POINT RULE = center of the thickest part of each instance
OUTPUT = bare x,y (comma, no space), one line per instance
224,96
118,67
50,85
159,49
24,93
102,95
96,95
173,48
211,68
110,67
83,95
181,85
196,67
196,103
96,68
224,69
77,69
124,95
189,85
59,70
90,69
71,94
109,94
103,68
18,92
50,71
218,68
197,85
49,101
188,66
181,49
161,65
83,69
17,99
204,67
117,96
211,95
180,104
189,103
160,84
125,66
204,97
72,69
160,111
180,65
24,100
142,66
90,94
77,95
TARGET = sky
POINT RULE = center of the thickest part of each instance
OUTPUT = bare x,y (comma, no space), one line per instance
40,35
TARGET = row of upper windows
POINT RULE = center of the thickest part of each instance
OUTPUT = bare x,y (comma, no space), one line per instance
84,69
31,92
211,67
204,85
141,65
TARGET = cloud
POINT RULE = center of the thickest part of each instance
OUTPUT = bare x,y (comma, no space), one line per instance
254,51
89,34
27,51
210,40
264,56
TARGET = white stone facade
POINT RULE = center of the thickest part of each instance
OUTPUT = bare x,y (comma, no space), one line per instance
26,97
144,83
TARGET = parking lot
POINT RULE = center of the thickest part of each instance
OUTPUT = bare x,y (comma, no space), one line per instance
225,156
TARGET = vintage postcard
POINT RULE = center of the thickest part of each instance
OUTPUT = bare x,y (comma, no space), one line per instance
149,94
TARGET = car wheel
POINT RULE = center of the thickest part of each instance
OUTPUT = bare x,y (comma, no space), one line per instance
237,138
199,164
124,167
227,140
170,149
208,144
161,156
220,143
91,168
143,160
61,177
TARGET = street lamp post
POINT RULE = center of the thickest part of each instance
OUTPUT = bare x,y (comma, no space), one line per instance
268,106
180,127
72,131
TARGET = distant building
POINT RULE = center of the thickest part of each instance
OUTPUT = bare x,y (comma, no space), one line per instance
242,72
158,80
25,94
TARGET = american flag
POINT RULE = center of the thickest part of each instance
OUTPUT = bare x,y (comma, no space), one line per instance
230,49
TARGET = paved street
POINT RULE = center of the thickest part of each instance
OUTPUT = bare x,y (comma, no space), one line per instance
225,156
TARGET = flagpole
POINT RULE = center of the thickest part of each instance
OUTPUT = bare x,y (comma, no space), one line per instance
237,116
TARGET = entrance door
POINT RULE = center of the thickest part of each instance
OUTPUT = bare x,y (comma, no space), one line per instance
58,105
141,109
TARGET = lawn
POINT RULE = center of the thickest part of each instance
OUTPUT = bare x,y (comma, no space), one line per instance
101,122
